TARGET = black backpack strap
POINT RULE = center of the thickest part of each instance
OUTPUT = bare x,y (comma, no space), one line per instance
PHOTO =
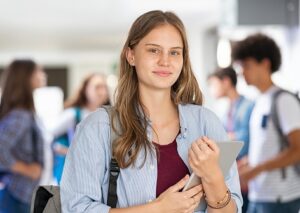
274,115
114,169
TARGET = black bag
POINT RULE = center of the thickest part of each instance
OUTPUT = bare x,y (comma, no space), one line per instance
283,138
46,199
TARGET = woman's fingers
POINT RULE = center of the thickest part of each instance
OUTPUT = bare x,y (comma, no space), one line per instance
195,148
204,147
211,144
179,185
193,191
198,196
195,202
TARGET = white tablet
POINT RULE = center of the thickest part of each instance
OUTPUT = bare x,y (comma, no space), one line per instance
228,153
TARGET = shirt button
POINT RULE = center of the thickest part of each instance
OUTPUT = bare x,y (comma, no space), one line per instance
151,167
149,201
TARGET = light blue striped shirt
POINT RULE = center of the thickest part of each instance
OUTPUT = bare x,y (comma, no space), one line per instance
85,180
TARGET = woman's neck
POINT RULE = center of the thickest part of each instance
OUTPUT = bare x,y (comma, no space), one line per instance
158,105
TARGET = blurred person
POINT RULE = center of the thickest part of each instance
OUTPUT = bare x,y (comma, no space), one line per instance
236,121
223,84
270,190
166,134
92,94
21,142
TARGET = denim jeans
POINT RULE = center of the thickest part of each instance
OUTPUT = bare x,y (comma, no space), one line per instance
276,207
9,204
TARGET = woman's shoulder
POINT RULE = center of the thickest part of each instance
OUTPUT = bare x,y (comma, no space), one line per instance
200,118
97,117
20,114
193,110
18,119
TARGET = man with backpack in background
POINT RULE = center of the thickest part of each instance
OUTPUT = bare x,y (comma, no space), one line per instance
273,163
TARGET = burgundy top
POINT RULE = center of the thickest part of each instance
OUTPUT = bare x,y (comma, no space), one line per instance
170,167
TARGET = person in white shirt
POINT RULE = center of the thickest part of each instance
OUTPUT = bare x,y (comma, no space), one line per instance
269,191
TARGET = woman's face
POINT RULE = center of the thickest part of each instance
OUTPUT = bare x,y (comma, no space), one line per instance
158,58
96,91
38,78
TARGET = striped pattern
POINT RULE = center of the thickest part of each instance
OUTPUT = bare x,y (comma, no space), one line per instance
264,145
16,144
84,184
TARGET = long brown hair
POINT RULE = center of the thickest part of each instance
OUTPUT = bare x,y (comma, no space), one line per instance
80,99
131,116
16,87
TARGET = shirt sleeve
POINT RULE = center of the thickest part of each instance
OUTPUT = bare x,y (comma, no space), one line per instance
216,131
12,129
65,121
85,168
288,108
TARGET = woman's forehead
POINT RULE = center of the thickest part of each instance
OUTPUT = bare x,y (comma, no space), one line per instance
163,35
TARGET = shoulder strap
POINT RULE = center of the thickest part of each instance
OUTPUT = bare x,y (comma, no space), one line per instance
274,115
114,169
275,118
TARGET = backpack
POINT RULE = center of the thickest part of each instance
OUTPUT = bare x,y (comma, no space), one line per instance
46,199
283,138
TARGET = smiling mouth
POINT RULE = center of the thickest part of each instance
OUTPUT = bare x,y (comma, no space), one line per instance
162,73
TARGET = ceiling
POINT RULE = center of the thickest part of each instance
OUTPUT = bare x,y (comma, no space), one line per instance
87,25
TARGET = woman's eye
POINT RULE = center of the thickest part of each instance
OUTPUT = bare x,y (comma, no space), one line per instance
175,53
154,50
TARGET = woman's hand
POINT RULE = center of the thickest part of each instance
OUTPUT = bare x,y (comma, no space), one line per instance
174,201
204,160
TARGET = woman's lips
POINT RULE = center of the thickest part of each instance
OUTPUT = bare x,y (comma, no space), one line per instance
162,73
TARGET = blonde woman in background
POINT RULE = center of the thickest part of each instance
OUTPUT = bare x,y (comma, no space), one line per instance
92,94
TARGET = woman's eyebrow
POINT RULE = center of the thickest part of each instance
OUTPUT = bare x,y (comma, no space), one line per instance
156,45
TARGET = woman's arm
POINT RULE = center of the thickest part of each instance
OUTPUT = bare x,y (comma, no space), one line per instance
65,121
13,127
85,166
203,158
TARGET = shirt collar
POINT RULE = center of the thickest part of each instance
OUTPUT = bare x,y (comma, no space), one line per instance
182,121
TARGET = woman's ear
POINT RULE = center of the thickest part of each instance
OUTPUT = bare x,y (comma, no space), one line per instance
130,56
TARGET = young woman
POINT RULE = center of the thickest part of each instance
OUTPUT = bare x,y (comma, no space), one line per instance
21,143
92,94
166,134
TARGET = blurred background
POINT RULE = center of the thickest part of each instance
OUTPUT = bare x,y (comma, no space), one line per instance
72,38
